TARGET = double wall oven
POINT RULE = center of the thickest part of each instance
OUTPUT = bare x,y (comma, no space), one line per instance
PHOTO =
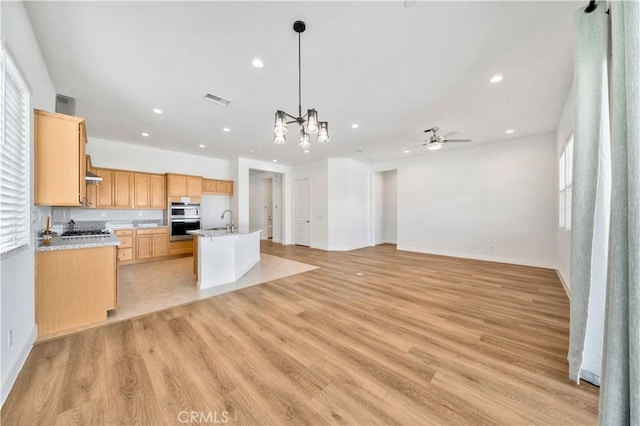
183,217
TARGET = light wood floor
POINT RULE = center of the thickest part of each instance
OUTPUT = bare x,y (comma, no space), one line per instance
372,336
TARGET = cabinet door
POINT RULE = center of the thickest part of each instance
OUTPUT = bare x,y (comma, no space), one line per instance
194,187
224,187
59,157
160,245
144,246
123,189
104,190
208,186
157,197
177,185
141,190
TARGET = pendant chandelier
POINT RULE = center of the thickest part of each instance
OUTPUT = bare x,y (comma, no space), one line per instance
309,123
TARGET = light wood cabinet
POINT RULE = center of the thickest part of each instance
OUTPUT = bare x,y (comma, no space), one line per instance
149,191
115,190
179,186
180,247
60,159
152,243
74,287
123,189
125,249
217,187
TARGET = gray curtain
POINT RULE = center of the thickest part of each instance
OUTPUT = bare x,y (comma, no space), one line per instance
620,392
591,44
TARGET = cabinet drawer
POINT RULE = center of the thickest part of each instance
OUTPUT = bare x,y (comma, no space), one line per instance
180,247
126,241
152,231
125,253
124,232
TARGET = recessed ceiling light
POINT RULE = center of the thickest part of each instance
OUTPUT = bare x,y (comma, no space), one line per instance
509,131
145,134
406,151
275,161
226,129
157,110
257,63
354,126
496,78
306,151
201,146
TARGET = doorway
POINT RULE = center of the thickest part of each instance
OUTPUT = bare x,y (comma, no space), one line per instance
302,212
385,208
265,204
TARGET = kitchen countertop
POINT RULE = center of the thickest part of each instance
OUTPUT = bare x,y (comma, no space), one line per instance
218,233
58,243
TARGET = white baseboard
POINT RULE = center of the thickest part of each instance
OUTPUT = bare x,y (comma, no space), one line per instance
476,256
565,283
13,374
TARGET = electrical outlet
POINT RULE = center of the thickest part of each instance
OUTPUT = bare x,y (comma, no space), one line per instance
10,338
140,214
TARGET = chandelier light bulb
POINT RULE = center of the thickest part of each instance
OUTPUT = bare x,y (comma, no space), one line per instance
312,121
305,143
323,132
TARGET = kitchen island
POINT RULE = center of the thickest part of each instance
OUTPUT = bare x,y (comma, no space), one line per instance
222,258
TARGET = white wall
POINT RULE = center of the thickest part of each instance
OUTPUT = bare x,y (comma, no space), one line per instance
493,201
118,155
17,271
349,204
316,172
563,237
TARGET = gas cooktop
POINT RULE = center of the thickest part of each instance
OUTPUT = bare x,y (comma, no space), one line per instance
86,233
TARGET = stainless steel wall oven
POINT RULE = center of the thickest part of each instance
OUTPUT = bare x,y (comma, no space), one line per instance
183,217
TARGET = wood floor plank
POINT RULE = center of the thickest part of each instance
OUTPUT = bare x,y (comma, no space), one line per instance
372,336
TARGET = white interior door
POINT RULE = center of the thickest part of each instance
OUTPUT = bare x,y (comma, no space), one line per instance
267,211
302,212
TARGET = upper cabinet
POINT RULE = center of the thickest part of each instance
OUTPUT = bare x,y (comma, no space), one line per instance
60,162
149,191
115,190
219,187
179,186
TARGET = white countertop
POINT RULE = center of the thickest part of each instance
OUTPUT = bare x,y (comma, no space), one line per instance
218,233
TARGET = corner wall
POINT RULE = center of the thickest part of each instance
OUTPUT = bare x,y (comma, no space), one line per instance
494,201
17,292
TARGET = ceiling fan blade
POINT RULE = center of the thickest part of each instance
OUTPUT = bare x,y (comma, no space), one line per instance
457,140
449,134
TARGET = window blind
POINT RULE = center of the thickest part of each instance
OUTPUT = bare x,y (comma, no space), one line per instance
14,158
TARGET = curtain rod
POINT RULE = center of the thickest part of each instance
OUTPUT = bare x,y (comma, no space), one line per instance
592,6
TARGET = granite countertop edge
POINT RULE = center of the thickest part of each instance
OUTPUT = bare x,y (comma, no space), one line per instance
58,243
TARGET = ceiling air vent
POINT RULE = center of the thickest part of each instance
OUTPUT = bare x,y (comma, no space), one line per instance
217,99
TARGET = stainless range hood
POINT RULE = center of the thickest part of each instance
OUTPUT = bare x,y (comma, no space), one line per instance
92,178
67,105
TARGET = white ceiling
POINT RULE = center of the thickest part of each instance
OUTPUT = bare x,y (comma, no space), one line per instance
393,70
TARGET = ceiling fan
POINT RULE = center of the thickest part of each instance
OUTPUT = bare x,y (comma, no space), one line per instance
435,142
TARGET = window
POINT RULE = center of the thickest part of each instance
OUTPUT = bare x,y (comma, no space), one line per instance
14,157
565,181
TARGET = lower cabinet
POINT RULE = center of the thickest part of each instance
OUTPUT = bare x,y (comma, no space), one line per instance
142,245
152,243
180,247
74,287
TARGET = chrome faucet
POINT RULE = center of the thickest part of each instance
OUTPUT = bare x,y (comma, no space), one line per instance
230,227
